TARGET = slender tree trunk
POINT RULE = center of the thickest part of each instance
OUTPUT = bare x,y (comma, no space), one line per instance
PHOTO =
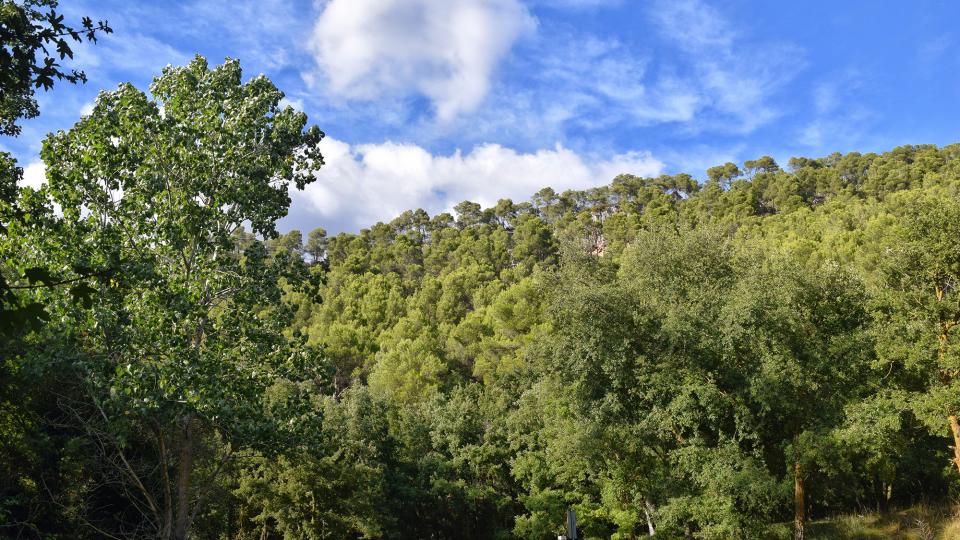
955,428
648,512
883,497
799,511
181,529
167,493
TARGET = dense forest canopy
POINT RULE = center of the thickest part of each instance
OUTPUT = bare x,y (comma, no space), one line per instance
668,356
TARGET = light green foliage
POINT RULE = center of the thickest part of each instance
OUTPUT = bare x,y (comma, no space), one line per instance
316,245
513,321
723,174
184,334
35,40
656,354
290,244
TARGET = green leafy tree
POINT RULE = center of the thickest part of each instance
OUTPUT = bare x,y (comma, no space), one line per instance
185,338
289,244
316,245
920,310
723,174
35,40
468,214
333,484
799,338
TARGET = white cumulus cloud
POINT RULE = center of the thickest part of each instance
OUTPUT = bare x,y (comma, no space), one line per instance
445,50
34,175
363,184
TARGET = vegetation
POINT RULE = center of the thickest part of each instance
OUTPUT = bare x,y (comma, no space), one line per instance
35,39
667,357
921,522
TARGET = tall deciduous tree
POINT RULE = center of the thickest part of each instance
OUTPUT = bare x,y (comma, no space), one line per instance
797,337
183,341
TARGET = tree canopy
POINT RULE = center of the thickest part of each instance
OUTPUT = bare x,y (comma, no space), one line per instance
667,357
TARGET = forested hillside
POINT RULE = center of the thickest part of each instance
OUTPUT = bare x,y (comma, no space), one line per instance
690,355
661,352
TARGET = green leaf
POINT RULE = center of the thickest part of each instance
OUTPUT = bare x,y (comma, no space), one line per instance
83,294
38,274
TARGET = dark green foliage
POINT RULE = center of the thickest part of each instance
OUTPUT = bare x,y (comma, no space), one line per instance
656,353
35,40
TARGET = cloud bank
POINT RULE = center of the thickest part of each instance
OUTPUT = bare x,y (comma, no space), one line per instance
363,184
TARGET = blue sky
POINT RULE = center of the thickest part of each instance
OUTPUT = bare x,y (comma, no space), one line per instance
430,102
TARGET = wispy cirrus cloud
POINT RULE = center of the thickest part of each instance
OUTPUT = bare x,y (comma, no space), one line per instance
129,53
565,86
576,4
840,118
735,79
617,83
691,73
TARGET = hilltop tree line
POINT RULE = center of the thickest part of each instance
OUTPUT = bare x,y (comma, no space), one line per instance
669,356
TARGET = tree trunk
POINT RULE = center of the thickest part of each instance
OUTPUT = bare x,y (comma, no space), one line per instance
955,428
167,529
648,512
883,497
799,511
181,528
